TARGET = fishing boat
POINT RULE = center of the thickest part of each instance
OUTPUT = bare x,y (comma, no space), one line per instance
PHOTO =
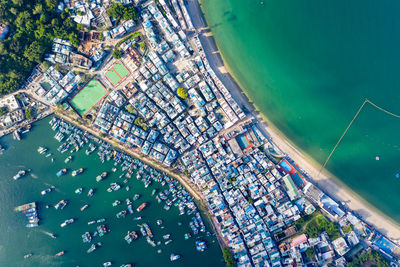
61,204
30,225
91,192
19,175
106,264
131,236
148,230
136,197
159,222
166,236
150,241
201,245
60,254
167,242
67,222
116,203
102,230
141,207
77,172
101,176
79,190
174,257
46,191
121,214
52,235
91,222
16,135
187,236
27,255
41,150
68,159
92,248
153,192
130,209
115,186
86,237
61,172
84,207
137,218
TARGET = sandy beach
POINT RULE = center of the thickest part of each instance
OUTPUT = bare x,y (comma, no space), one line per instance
326,181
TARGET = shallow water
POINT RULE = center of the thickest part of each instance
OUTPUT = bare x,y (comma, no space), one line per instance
16,240
308,66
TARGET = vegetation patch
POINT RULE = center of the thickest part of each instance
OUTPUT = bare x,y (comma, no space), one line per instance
370,259
321,224
33,26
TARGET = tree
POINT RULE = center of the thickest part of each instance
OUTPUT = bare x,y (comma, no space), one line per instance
372,258
117,54
57,67
29,113
116,10
130,13
230,261
73,39
3,111
186,172
51,4
46,65
80,27
34,52
38,9
18,2
310,253
182,93
142,46
130,109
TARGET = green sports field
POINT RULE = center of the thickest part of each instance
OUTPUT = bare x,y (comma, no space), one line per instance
117,73
88,96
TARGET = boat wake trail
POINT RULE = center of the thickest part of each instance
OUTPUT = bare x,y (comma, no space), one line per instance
34,176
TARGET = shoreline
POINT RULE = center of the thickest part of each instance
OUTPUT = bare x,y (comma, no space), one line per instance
185,182
326,181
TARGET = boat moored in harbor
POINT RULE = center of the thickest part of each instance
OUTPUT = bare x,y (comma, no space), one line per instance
61,172
20,174
101,176
174,257
77,172
61,204
91,192
201,245
67,222
60,254
141,207
46,191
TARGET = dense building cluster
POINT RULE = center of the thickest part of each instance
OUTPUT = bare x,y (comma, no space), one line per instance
262,204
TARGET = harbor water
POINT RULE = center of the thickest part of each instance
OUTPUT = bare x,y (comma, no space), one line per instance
308,66
16,240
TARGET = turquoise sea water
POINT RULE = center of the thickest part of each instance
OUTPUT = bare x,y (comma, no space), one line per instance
16,240
308,66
